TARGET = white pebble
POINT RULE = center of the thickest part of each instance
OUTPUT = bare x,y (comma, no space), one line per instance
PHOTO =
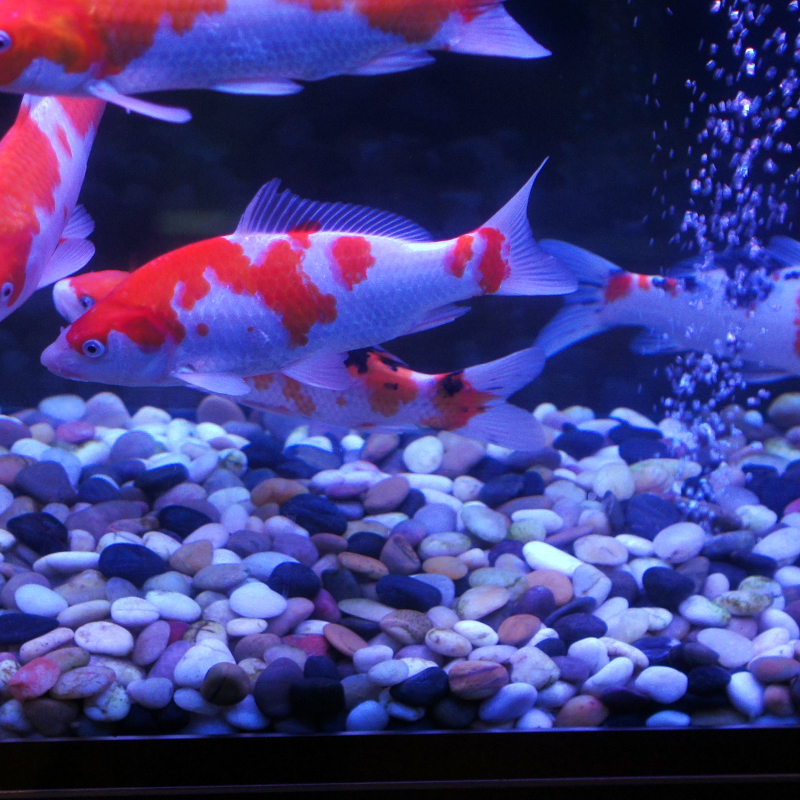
591,651
733,649
511,702
424,454
134,611
367,657
679,542
539,555
212,532
245,626
783,545
551,521
555,695
245,715
700,610
637,546
774,618
662,684
535,719
615,478
111,705
104,638
478,633
367,716
256,599
31,598
151,692
616,673
388,673
174,605
64,407
190,699
746,694
668,719
197,661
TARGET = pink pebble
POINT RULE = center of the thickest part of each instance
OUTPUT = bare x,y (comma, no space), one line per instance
312,644
75,432
792,507
34,679
165,666
176,630
325,607
9,657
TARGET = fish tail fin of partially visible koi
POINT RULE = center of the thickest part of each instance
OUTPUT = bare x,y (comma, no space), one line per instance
493,32
501,423
530,270
580,318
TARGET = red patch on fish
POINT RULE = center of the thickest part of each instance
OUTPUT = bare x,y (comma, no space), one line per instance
97,284
83,34
61,135
644,283
83,113
262,382
202,329
302,232
295,392
494,266
388,384
460,256
353,257
619,285
456,402
416,21
29,175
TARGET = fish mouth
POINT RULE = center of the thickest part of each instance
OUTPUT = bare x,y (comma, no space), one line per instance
50,359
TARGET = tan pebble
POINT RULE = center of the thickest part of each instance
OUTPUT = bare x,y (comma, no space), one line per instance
482,600
450,566
560,585
518,629
45,644
81,613
532,665
582,711
366,567
69,658
442,617
406,626
496,653
344,640
276,490
476,680
83,682
190,558
447,643
364,608
778,700
599,550
478,633
51,717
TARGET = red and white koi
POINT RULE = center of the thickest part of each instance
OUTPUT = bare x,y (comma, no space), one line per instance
386,395
112,49
751,315
42,165
297,285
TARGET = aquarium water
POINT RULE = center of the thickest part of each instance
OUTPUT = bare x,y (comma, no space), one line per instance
549,512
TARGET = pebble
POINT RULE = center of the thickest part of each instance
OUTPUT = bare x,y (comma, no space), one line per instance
732,649
424,455
680,542
257,600
510,703
662,684
476,680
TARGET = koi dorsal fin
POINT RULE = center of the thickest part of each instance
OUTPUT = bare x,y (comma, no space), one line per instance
271,211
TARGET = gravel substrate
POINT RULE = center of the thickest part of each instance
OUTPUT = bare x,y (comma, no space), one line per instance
160,576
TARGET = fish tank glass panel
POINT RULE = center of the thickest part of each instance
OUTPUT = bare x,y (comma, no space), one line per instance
439,375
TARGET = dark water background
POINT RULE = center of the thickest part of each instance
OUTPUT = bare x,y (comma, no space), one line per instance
446,146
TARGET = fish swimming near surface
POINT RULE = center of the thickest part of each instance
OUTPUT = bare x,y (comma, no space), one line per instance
386,395
42,165
296,286
112,49
745,306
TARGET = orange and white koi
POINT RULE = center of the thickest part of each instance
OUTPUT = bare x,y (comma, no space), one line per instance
386,395
297,285
42,165
745,306
112,49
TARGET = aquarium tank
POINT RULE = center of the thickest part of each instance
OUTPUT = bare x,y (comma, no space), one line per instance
399,367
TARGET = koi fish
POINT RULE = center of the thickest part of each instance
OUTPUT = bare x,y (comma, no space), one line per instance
42,164
745,307
297,285
386,395
112,49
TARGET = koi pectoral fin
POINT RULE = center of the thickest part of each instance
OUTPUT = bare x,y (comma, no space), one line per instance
325,370
105,91
215,382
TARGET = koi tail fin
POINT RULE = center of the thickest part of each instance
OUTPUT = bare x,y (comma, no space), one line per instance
491,31
499,422
513,264
581,316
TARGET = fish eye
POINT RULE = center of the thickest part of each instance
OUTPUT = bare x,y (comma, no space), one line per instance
5,42
86,301
6,291
93,349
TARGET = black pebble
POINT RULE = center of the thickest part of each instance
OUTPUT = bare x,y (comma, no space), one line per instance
42,532
533,484
753,563
573,670
129,469
414,501
19,628
366,544
538,600
633,451
140,721
776,492
316,458
295,469
320,667
399,591
688,655
365,628
501,489
294,580
453,713
182,520
161,479
579,626
317,698
624,432
134,562
577,443
666,588
267,452
271,689
623,584
619,700
647,514
423,689
98,489
461,585
253,477
656,648
552,647
735,575
341,583
708,680
315,514
584,605
723,544
506,546
488,468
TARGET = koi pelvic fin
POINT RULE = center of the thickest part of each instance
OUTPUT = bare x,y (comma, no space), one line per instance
104,91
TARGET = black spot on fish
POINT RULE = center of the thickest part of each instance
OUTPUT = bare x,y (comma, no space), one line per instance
791,276
391,386
452,383
390,362
358,359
